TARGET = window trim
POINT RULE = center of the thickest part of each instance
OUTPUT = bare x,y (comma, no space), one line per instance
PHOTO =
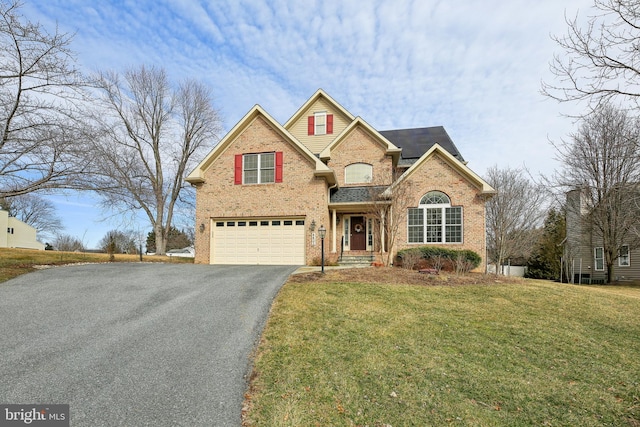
259,168
359,181
346,231
627,257
596,258
316,125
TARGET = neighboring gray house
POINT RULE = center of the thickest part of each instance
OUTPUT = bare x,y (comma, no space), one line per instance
584,258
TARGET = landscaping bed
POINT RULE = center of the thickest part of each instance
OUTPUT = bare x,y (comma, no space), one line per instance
399,276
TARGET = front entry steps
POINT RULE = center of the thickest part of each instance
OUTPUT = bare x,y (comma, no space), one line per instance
356,260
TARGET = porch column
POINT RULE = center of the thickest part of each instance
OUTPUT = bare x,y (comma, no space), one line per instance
392,218
382,236
333,228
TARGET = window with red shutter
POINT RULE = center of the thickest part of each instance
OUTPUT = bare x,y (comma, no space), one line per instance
310,125
258,168
329,123
238,170
279,161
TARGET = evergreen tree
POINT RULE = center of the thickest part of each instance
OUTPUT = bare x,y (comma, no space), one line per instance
177,239
544,263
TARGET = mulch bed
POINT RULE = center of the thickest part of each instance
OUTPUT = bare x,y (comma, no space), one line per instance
399,276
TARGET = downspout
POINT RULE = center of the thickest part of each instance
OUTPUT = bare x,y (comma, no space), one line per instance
484,227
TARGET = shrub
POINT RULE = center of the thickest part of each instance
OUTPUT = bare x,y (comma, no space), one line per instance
461,261
410,258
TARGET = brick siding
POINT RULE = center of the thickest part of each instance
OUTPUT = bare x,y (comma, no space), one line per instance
300,194
436,174
360,147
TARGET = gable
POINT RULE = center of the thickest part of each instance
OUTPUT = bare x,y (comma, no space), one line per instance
301,125
239,173
358,125
358,147
360,144
437,152
257,132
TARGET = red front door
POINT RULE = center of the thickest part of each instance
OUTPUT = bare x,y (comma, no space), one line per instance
358,234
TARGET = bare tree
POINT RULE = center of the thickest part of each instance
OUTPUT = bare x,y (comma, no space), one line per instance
36,211
67,243
388,207
119,242
512,214
602,162
39,116
151,133
600,58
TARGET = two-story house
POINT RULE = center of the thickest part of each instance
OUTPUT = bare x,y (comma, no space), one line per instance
585,258
265,190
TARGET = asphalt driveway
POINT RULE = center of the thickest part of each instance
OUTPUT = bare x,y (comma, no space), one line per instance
135,344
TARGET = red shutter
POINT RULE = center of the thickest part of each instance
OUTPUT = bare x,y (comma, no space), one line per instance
238,170
310,125
278,166
329,123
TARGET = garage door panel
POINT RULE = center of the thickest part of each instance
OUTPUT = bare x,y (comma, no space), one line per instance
276,241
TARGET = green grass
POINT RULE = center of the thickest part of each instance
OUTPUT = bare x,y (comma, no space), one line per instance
531,354
14,262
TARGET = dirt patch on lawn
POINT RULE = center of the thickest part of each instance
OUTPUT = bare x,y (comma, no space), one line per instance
399,276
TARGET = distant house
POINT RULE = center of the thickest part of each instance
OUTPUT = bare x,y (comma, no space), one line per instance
265,190
188,252
16,234
584,258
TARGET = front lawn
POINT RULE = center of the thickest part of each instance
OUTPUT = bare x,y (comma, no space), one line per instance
14,262
529,353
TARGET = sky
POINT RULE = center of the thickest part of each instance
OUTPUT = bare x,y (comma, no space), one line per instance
474,67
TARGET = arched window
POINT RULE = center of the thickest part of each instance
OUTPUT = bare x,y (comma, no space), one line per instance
358,173
435,220
435,198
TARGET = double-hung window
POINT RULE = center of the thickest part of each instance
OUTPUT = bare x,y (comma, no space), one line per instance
623,257
260,168
320,123
435,220
598,258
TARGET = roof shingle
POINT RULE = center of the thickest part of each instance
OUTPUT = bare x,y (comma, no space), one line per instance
416,142
356,194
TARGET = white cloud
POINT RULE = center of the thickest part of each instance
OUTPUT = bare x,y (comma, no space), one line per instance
473,66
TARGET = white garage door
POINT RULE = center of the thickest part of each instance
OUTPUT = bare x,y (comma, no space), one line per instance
275,241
